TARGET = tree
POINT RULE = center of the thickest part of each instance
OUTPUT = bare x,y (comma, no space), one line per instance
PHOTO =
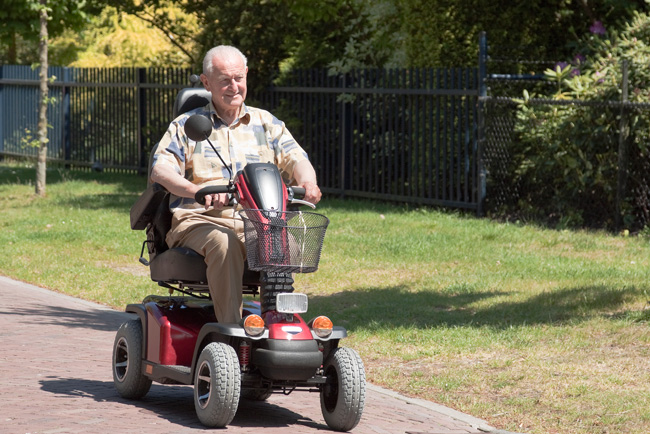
20,24
119,39
37,20
41,164
445,32
277,35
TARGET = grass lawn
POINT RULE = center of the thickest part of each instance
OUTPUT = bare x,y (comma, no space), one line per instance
534,330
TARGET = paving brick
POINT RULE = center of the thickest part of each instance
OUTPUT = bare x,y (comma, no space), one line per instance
55,377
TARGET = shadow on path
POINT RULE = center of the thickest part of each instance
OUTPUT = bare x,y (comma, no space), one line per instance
176,404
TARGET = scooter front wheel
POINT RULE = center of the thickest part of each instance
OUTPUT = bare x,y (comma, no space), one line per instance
127,360
217,385
343,397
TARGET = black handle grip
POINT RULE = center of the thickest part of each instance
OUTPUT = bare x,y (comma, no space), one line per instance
212,189
298,192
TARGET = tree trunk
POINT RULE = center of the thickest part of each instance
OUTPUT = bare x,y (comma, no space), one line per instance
12,54
41,164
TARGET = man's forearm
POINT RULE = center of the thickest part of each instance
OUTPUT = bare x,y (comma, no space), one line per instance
304,172
172,181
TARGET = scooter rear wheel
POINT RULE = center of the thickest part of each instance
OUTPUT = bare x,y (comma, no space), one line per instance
127,359
217,385
343,397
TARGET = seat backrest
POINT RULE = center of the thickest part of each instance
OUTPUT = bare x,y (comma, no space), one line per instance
189,99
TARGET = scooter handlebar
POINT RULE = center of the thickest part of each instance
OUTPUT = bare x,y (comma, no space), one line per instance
298,192
212,189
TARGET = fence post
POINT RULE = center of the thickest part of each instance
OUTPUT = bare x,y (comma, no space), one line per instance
3,109
623,134
65,116
345,139
142,117
482,96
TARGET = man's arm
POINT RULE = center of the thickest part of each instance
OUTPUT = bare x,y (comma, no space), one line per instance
305,177
179,186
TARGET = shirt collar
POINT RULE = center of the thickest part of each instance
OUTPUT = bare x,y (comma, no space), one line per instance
243,119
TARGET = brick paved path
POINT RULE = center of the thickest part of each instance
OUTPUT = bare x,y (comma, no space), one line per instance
55,377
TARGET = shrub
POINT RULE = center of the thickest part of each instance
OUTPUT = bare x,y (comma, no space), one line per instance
566,153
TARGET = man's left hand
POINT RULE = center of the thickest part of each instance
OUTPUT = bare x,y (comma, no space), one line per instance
312,192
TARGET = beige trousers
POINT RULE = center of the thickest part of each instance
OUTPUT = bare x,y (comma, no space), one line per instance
220,239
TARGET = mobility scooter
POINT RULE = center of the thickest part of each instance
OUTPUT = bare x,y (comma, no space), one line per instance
176,339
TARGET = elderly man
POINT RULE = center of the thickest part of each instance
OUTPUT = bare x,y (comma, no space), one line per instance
242,135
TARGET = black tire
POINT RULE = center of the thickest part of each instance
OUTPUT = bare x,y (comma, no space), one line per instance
343,397
217,385
127,361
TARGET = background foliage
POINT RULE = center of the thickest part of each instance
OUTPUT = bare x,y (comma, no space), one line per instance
567,156
328,33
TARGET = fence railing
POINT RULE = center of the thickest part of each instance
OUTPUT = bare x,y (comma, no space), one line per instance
405,135
105,118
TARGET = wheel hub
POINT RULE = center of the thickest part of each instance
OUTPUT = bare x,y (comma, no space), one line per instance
203,384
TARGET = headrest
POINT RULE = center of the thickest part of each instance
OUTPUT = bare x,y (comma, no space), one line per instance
189,99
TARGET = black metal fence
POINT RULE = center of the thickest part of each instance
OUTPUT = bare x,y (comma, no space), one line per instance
428,136
105,118
406,135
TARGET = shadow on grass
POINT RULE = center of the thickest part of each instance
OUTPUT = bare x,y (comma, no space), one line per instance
395,307
129,186
115,201
21,174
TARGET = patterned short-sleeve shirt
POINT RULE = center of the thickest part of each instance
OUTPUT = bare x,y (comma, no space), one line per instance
255,137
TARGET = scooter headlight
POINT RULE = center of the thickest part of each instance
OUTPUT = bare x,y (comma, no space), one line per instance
291,302
322,326
254,325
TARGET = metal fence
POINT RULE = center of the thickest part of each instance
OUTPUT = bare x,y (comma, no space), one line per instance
105,118
428,136
405,135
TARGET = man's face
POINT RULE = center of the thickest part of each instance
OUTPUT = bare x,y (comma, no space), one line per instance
227,83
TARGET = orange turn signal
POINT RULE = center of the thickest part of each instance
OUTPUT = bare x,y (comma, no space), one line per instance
322,326
254,325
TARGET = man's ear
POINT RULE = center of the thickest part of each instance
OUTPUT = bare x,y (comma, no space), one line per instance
204,80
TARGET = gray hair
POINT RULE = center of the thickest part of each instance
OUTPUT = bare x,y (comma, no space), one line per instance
220,51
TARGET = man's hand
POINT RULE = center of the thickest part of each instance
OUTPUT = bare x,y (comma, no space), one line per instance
218,201
312,192
305,176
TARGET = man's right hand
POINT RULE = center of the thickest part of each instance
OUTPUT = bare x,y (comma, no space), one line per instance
218,201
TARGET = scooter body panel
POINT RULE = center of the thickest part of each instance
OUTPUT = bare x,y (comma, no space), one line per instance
172,329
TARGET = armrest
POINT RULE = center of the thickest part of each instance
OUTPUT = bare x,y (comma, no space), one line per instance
144,209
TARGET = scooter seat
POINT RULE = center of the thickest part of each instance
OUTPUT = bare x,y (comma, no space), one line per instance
179,264
184,265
